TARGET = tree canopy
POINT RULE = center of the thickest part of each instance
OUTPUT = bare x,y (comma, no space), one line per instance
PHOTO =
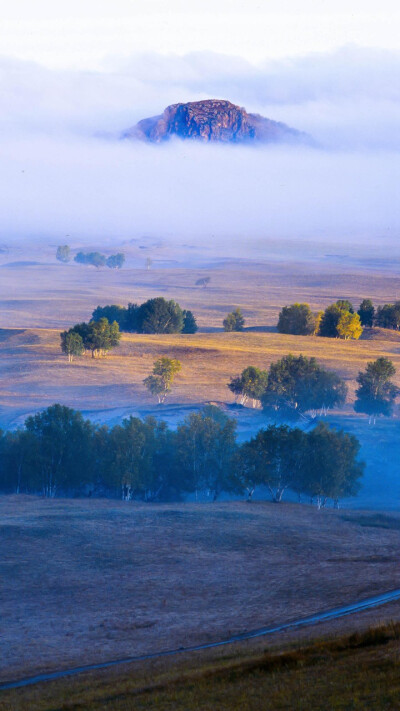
159,316
63,253
366,313
376,393
98,337
297,384
250,384
160,381
234,321
349,326
340,321
189,322
297,319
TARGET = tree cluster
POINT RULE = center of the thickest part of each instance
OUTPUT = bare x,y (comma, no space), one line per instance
114,261
96,337
153,316
291,387
337,321
59,453
96,259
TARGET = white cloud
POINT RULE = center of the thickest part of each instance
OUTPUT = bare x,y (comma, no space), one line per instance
64,171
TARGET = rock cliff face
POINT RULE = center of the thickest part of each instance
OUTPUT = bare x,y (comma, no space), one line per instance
212,120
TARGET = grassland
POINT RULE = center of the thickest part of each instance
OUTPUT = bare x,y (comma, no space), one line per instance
355,672
34,373
85,581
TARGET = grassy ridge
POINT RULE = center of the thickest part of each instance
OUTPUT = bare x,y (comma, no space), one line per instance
358,671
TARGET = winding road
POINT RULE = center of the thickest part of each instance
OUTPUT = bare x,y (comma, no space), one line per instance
334,614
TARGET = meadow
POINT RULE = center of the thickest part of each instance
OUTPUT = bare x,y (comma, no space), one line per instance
85,581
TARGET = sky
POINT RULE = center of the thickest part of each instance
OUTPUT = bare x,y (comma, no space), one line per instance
88,34
74,75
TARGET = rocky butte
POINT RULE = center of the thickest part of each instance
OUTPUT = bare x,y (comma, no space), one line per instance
213,120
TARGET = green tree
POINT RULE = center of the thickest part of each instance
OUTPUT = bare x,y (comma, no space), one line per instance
115,261
60,455
349,326
160,382
63,253
329,321
388,316
297,384
366,313
251,383
71,344
94,258
331,468
189,322
101,337
273,458
159,316
345,305
204,281
113,312
234,321
376,393
297,319
205,449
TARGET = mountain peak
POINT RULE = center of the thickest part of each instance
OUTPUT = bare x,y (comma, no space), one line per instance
216,120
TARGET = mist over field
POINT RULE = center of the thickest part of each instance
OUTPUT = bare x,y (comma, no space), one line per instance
65,171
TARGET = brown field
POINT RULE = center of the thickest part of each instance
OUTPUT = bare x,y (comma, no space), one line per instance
85,581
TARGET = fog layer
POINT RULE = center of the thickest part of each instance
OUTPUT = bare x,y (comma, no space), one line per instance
65,171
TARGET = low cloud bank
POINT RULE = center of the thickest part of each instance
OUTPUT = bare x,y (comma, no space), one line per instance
64,171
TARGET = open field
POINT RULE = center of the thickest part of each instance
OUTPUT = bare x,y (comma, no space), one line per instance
38,291
86,581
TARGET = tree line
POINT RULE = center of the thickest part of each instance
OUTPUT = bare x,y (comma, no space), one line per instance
59,453
155,315
96,259
339,320
296,385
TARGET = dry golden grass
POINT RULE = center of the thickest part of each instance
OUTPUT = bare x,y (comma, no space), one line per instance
34,373
86,580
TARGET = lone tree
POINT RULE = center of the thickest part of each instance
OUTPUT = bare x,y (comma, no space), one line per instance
349,326
366,313
164,371
189,322
159,316
63,253
251,383
376,393
115,261
297,384
204,281
297,319
234,321
71,344
331,467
